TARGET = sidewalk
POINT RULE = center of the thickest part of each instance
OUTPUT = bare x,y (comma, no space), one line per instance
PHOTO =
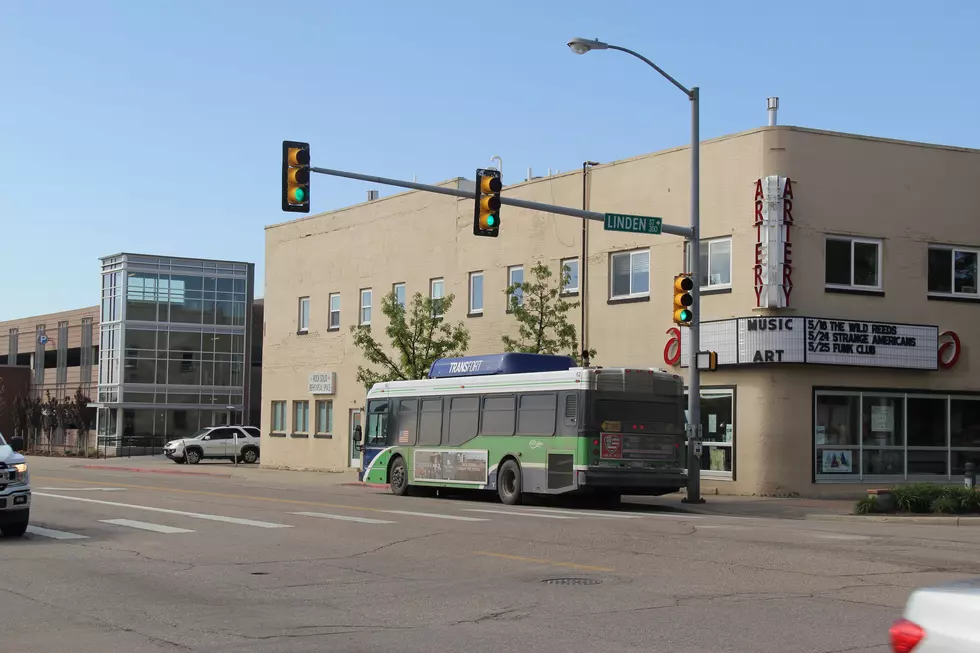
164,468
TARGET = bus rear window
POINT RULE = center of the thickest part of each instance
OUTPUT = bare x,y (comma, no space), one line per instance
647,412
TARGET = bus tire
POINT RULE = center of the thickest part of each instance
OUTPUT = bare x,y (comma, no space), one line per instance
509,483
398,477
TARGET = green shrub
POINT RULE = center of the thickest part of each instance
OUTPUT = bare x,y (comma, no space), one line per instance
965,500
917,497
866,505
946,505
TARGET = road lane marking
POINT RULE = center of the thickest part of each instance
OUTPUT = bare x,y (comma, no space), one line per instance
362,520
434,515
195,515
53,534
145,526
585,513
518,514
542,561
83,489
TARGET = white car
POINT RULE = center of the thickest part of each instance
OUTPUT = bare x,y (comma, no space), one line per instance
940,619
215,442
15,489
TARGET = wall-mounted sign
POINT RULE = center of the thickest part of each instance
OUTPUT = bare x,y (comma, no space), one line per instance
816,340
949,349
773,221
322,383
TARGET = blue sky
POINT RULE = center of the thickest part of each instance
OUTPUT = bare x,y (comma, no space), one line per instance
156,126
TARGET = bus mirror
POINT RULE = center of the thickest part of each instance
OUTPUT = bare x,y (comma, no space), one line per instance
357,433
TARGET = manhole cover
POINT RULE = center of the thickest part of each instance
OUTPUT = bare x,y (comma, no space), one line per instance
260,573
571,581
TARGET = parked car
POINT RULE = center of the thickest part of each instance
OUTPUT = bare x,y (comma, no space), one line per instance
941,619
216,442
15,488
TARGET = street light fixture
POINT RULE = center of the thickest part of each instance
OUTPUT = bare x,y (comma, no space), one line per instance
581,46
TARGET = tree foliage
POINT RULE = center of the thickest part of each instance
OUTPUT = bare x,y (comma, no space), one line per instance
541,312
419,336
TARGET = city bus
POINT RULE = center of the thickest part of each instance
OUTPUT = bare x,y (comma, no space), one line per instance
522,424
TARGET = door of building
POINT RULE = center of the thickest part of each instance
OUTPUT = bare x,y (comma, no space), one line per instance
355,420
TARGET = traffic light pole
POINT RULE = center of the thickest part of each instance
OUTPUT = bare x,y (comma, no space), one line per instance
694,329
523,204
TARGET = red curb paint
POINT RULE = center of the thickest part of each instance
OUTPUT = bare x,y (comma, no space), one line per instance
149,471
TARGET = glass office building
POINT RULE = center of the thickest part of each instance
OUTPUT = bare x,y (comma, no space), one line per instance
173,353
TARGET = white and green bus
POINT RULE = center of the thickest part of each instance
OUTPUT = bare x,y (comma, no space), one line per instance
527,424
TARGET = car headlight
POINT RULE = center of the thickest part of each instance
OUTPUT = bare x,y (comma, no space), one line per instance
21,472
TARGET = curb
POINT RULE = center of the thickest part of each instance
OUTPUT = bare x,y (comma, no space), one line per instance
364,485
113,468
939,520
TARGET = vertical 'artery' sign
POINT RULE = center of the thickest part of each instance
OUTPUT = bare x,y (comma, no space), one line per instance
773,246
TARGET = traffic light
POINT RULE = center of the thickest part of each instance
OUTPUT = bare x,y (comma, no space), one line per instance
683,284
486,213
295,177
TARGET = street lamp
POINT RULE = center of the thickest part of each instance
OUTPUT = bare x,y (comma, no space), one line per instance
581,46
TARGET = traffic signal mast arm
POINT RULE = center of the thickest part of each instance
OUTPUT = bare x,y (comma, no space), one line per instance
509,201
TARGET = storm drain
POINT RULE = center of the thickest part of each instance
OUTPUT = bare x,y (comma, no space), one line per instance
571,581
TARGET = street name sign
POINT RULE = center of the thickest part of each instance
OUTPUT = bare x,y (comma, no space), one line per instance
634,224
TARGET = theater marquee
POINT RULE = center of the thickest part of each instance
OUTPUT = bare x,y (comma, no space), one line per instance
817,341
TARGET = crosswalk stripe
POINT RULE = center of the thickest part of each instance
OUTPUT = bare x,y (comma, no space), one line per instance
55,535
325,515
584,513
184,513
145,526
434,515
518,514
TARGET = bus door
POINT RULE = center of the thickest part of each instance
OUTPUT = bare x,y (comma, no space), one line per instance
376,434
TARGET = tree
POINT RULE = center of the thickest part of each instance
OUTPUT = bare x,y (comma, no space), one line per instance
3,401
20,414
419,336
50,416
541,312
78,414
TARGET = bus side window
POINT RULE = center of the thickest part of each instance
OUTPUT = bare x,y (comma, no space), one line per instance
464,416
537,414
406,424
498,415
430,423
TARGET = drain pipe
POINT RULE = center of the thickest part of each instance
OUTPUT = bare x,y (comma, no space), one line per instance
583,268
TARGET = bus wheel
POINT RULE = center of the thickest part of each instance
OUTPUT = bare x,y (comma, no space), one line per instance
509,483
398,477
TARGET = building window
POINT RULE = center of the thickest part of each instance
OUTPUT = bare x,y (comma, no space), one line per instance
629,274
476,293
301,417
853,263
953,271
304,314
437,291
890,436
366,307
569,271
515,277
717,432
399,290
334,320
324,416
278,416
714,263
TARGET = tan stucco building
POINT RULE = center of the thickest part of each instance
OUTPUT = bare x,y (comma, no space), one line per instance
865,249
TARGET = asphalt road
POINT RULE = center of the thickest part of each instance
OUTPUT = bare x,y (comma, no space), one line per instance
136,562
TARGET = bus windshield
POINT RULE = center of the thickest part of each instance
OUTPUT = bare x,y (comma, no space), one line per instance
631,410
377,426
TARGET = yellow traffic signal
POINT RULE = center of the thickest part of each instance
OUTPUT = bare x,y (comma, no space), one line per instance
683,284
486,212
295,177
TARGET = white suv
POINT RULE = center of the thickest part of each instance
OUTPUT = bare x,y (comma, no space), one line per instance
15,489
215,442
